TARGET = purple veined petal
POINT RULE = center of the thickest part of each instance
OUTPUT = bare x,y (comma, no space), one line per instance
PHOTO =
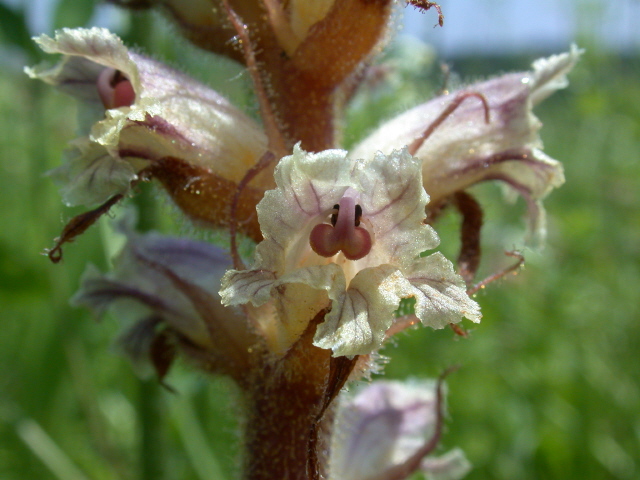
361,315
174,281
393,201
382,426
383,195
440,293
171,115
465,150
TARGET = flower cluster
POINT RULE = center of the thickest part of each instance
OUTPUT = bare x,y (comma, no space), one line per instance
342,237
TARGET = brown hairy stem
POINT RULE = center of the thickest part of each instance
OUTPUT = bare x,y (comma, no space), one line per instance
299,80
286,398
276,141
340,369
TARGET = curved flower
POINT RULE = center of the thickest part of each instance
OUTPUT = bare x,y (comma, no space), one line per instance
465,149
382,427
380,198
169,286
136,111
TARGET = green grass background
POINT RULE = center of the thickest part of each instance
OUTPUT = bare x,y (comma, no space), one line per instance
550,381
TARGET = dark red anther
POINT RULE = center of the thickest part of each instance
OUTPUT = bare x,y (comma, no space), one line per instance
115,89
344,234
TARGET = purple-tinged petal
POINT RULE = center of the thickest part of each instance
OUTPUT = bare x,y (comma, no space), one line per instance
140,274
381,427
465,149
383,196
453,465
175,282
135,110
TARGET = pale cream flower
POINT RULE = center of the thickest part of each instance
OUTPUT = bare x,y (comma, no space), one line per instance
378,223
466,149
135,111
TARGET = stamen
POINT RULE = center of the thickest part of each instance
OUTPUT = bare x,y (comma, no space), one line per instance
334,216
344,234
115,89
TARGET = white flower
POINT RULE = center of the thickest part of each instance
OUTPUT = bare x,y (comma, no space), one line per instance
169,286
135,111
466,149
383,426
379,225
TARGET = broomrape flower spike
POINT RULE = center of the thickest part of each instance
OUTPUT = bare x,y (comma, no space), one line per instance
362,266
341,236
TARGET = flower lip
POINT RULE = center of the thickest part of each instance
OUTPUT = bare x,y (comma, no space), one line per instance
465,149
344,234
365,293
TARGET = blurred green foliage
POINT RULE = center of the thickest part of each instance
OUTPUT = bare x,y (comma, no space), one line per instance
549,384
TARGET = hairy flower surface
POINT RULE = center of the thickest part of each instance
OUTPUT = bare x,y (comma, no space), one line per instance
135,111
465,149
168,287
341,239
382,427
377,208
